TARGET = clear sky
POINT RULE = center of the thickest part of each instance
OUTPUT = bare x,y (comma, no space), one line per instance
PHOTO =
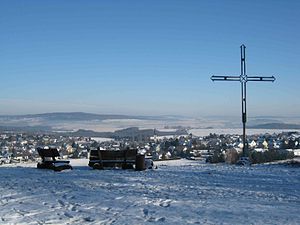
148,57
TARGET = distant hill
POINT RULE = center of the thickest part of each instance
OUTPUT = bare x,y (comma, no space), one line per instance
76,116
275,126
82,116
28,129
125,133
62,121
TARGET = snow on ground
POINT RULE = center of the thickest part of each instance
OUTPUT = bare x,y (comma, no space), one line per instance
99,139
178,192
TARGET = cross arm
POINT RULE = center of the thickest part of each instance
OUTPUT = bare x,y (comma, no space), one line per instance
225,78
258,78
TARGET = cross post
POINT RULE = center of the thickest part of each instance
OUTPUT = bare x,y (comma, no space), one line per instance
243,79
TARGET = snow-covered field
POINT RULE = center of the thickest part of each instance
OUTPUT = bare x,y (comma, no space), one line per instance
178,192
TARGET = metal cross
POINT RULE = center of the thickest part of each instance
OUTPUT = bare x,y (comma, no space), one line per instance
243,79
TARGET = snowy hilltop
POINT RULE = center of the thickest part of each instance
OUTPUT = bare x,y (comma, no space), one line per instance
178,192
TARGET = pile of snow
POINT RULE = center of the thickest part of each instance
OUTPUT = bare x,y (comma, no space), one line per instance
178,192
99,139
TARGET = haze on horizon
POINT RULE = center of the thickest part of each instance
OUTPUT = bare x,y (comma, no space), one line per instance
147,57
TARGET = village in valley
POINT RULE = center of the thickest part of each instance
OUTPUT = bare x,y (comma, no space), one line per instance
21,147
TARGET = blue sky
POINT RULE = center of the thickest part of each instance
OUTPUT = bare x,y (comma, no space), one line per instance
148,57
